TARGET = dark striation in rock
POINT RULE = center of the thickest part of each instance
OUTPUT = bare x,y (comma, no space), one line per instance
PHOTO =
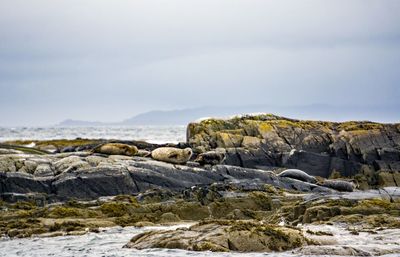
93,183
22,183
317,147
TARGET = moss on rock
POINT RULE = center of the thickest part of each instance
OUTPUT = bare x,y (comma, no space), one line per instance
116,209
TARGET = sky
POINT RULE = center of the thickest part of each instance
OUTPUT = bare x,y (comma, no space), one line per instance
110,60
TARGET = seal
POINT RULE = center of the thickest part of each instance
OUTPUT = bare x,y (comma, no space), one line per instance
339,185
116,149
297,174
172,154
211,157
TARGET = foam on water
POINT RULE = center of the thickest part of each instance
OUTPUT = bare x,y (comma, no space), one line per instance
152,134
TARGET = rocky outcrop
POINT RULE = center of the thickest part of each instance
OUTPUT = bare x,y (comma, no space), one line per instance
84,176
317,147
223,236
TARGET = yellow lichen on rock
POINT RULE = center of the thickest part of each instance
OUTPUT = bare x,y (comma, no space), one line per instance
251,142
264,128
228,140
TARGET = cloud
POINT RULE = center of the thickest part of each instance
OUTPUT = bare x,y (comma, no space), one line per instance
109,60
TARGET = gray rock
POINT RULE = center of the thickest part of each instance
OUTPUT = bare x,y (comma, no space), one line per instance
93,183
133,175
23,183
316,164
94,160
7,164
44,170
70,163
30,166
9,151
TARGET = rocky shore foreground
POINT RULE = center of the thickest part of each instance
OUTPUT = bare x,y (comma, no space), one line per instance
251,183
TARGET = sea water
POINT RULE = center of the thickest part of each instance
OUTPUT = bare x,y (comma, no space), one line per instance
151,134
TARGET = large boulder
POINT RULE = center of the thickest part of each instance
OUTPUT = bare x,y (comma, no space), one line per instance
223,236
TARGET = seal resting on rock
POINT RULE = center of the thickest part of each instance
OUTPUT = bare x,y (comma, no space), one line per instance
298,174
211,157
172,154
116,149
339,185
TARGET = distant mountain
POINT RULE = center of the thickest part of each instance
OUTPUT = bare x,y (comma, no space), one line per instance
80,123
181,117
388,113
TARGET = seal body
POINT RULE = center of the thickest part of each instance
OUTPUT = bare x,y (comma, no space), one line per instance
172,154
211,157
298,174
339,185
116,149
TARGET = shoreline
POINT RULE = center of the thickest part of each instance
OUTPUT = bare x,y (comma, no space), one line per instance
236,178
328,239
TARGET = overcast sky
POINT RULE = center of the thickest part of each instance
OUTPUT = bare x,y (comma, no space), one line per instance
111,59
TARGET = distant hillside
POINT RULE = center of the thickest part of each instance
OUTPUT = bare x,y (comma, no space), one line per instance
389,113
181,117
